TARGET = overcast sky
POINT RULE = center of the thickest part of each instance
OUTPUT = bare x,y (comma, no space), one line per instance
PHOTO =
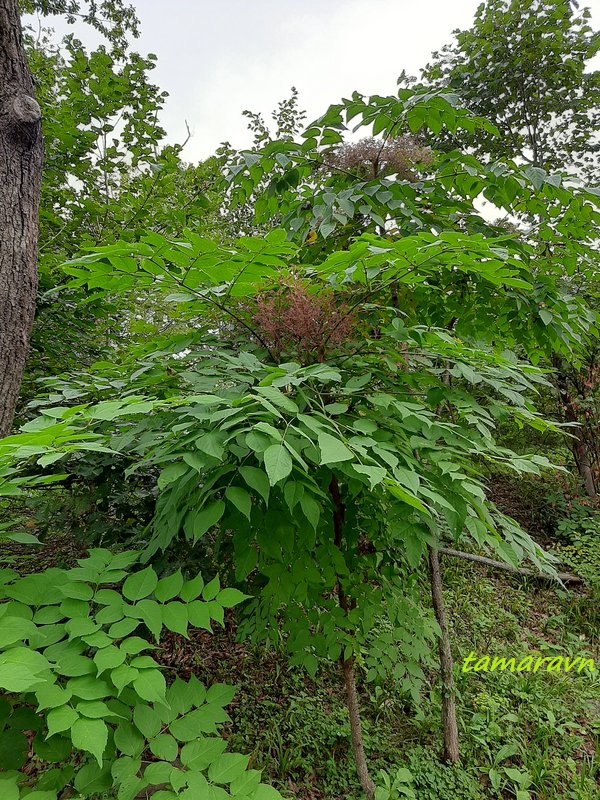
216,59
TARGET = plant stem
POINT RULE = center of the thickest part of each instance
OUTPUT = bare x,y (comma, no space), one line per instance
449,723
347,664
355,729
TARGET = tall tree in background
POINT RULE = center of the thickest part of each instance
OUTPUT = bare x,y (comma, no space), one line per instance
524,66
107,174
21,155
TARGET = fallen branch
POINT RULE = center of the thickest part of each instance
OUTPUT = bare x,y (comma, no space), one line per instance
565,577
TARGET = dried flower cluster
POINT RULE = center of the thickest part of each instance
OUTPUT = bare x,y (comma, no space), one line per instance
372,158
305,326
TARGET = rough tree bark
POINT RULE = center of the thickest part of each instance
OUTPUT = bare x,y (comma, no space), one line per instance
578,443
347,664
21,155
449,724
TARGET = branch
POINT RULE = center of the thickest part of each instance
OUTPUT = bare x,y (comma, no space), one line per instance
565,577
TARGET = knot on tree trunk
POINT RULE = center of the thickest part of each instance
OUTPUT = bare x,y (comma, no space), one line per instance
26,117
26,109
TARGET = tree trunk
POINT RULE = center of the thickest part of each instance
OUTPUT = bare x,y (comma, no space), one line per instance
580,455
21,155
347,664
578,443
449,724
362,769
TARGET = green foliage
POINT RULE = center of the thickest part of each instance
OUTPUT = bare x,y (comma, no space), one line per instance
76,672
578,533
528,67
525,67
321,462
324,477
326,404
108,174
395,787
435,781
114,19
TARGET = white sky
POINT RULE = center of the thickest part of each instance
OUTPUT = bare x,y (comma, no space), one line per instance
216,59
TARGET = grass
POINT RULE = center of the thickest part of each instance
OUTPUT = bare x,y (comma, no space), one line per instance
537,734
540,731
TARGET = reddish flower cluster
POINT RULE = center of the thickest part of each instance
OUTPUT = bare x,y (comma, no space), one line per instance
371,158
303,325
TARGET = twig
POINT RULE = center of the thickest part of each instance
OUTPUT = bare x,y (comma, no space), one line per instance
565,577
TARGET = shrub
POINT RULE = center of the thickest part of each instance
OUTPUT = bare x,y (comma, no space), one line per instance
85,705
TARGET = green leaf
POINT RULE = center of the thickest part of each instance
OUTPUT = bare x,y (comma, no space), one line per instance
135,645
51,696
157,773
77,591
121,629
257,480
246,784
228,767
405,497
14,629
56,749
171,473
61,719
92,779
228,598
374,474
292,493
192,589
240,499
147,720
122,676
175,617
89,688
221,693
169,587
202,720
90,735
265,792
81,626
140,584
201,753
151,615
206,517
311,509
179,698
150,685
211,444
211,590
278,398
164,747
8,789
14,748
332,450
278,463
199,615
18,678
96,709
108,658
